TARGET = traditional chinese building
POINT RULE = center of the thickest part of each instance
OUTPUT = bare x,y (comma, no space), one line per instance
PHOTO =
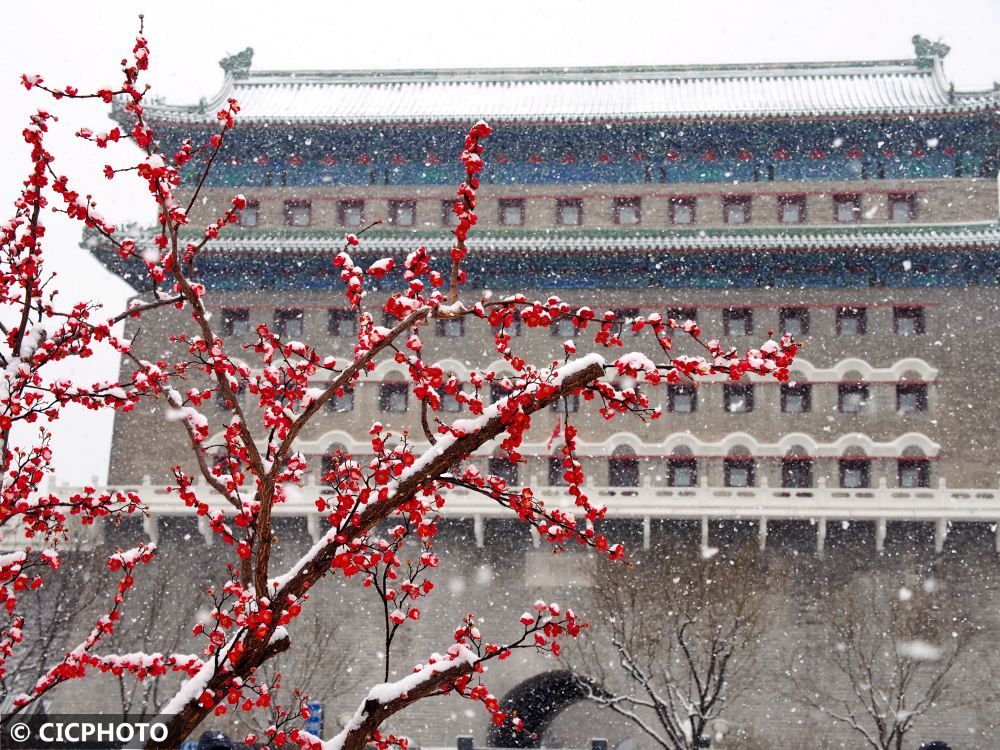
853,204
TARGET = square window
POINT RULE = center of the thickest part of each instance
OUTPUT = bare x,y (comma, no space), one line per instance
624,316
855,474
736,209
403,213
341,402
796,399
627,211
682,472
351,213
512,212
451,328
250,214
908,321
682,399
911,397
738,398
852,398
739,472
852,321
298,213
511,329
902,208
288,323
393,397
503,467
914,473
846,208
796,473
563,327
236,321
497,392
448,216
793,320
569,212
737,321
681,314
682,210
342,322
791,209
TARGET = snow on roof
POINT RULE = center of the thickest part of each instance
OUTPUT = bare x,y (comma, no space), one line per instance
935,237
900,87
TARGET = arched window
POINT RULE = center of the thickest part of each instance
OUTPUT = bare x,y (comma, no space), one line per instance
501,466
623,467
332,458
913,469
855,469
571,402
682,469
556,468
797,468
739,468
393,394
911,393
450,402
853,396
241,397
497,392
342,401
220,461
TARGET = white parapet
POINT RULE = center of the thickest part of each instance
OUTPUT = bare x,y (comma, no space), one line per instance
940,505
832,503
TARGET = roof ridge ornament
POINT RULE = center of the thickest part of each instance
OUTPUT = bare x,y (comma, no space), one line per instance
927,51
238,65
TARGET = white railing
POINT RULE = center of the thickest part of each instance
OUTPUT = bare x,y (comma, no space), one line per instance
941,505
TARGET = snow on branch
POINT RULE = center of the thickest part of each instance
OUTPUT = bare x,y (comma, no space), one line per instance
255,465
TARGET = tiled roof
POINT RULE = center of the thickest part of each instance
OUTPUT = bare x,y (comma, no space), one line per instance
587,94
931,237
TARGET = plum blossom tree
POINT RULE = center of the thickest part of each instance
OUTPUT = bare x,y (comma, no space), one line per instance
373,507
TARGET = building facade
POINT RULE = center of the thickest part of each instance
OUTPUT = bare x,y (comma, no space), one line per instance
854,205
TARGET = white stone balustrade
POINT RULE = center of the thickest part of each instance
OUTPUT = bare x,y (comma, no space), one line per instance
820,505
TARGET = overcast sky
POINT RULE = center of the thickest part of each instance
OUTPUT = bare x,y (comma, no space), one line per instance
81,43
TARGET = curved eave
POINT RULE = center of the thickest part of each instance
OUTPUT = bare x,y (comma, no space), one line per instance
879,89
174,117
943,237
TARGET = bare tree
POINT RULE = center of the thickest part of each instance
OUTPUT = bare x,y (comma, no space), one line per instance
323,673
157,626
58,608
684,637
892,639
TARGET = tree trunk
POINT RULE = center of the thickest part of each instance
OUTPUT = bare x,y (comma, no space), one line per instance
258,651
